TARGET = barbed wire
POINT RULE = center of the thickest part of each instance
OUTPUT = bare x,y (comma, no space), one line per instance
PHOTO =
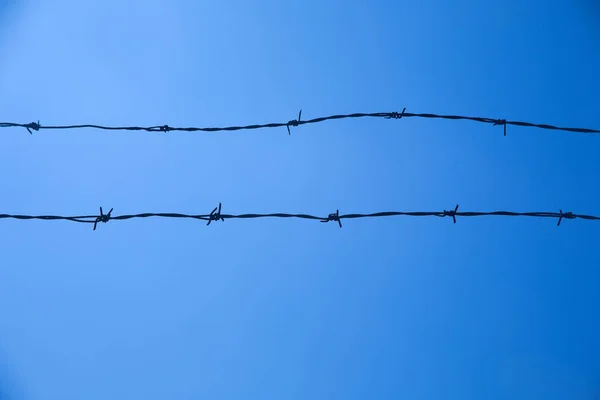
217,215
36,126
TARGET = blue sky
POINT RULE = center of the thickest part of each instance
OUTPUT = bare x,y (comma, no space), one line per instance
420,308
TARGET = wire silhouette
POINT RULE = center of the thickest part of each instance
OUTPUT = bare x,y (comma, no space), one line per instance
36,126
217,215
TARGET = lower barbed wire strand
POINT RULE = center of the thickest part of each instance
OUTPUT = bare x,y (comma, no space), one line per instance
36,126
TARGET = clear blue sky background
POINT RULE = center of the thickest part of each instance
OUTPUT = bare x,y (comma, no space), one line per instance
488,308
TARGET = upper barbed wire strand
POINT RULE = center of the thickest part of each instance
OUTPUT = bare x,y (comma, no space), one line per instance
217,215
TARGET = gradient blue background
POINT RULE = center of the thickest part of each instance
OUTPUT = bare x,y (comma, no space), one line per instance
488,308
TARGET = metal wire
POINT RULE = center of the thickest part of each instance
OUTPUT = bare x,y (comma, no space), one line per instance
217,215
36,126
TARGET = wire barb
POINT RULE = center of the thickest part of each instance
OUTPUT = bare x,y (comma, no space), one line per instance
397,115
451,213
215,215
567,215
33,125
103,217
501,122
294,122
334,217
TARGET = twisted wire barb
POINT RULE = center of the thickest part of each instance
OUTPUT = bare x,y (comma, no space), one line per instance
298,122
216,215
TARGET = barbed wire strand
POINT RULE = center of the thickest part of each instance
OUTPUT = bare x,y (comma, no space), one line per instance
36,126
217,215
